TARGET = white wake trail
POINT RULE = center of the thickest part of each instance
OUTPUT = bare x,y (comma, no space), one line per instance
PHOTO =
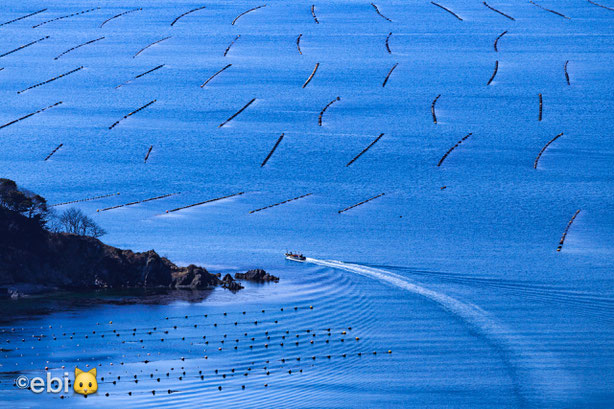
538,374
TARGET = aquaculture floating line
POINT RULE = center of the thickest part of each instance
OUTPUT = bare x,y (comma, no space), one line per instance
498,38
63,17
539,155
500,12
148,152
206,201
452,148
119,15
24,46
185,14
298,44
22,17
280,203
566,73
447,9
325,108
231,43
567,230
245,12
378,12
313,13
85,200
140,75
29,115
80,45
272,150
54,151
388,76
236,113
312,74
601,5
551,11
147,46
541,107
136,202
365,149
433,108
214,75
360,203
492,77
388,43
50,80
132,113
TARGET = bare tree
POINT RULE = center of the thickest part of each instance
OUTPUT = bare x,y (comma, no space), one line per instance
75,221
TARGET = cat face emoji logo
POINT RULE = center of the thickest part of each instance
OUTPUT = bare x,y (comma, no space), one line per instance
85,382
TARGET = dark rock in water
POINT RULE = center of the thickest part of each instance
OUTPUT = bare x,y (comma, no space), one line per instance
227,279
33,257
233,286
257,275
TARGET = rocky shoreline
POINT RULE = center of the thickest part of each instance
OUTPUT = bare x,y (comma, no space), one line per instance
35,260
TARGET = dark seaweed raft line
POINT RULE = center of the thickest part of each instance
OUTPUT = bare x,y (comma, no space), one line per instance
566,73
325,108
313,13
452,148
365,150
29,115
549,10
119,15
280,203
215,75
492,77
378,12
79,46
54,151
601,5
136,202
22,17
272,150
147,46
50,80
132,113
231,43
298,44
312,74
141,75
500,12
388,43
148,153
497,40
389,74
447,9
433,108
85,200
245,12
360,203
236,113
539,155
560,247
67,16
541,107
24,46
186,13
206,201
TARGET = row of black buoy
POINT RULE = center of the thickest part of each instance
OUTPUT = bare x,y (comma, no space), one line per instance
389,74
245,12
365,149
67,16
51,80
204,202
215,75
186,13
78,46
379,13
132,113
549,10
23,46
30,114
280,203
140,75
119,15
452,148
447,9
539,155
360,203
325,108
86,199
22,17
137,202
233,116
150,45
231,44
562,241
54,151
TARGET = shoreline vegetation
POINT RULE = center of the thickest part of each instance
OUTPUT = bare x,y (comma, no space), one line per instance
41,251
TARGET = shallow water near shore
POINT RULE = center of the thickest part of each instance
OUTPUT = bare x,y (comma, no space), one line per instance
462,284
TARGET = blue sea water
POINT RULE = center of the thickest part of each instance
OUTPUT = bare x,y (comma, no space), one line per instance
464,284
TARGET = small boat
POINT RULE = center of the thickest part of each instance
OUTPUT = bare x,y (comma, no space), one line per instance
295,257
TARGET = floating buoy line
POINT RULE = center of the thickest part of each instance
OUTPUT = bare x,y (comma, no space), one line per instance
233,116
231,43
86,199
498,11
539,155
447,9
131,113
152,44
54,151
186,13
360,203
215,75
137,202
78,46
245,12
50,80
562,241
67,16
24,46
22,17
365,150
452,148
272,150
30,114
549,10
325,108
497,40
204,202
119,15
280,203
315,69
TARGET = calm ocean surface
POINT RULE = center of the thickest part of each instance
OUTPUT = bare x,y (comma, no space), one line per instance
462,285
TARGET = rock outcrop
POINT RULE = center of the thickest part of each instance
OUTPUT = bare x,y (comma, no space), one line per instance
257,275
